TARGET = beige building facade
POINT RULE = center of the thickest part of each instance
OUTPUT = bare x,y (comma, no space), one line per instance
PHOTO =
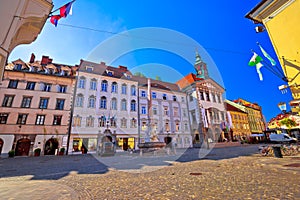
35,108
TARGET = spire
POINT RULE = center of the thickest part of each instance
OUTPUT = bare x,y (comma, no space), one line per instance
198,57
200,67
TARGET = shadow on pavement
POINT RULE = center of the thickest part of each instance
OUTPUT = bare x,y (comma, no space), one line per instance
193,154
50,167
56,167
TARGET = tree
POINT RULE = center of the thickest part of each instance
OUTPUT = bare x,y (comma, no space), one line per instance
139,74
289,123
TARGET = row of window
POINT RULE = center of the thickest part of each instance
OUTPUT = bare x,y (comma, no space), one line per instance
26,102
104,86
206,96
113,105
112,122
164,96
56,71
43,86
103,103
22,118
114,89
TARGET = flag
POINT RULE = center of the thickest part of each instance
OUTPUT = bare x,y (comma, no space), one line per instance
272,61
54,19
66,9
204,118
255,61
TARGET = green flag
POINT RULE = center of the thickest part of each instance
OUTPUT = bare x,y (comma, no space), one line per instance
255,60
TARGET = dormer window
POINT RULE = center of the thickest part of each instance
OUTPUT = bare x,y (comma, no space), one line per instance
18,67
109,73
89,68
127,76
51,71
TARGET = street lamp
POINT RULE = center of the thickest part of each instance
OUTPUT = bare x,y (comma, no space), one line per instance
282,107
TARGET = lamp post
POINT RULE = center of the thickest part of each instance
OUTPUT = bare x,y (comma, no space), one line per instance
282,107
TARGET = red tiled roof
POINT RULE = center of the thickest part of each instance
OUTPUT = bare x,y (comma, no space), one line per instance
230,107
188,80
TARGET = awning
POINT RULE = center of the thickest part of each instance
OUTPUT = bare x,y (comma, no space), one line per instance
295,102
257,135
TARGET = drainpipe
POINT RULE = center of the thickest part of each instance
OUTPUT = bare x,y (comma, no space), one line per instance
71,113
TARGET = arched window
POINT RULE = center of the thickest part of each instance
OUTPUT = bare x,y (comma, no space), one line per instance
123,123
104,86
113,122
133,90
103,103
124,88
133,123
81,82
123,104
177,126
90,121
133,105
113,104
91,103
101,121
79,100
93,84
167,126
114,87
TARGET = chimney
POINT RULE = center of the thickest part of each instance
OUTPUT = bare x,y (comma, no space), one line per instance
44,60
32,58
50,60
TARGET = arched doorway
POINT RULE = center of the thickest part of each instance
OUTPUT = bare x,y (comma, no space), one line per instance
23,146
50,146
168,141
1,145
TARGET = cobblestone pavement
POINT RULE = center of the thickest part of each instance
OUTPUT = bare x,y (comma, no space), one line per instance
225,173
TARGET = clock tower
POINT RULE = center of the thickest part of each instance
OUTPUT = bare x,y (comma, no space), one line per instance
200,67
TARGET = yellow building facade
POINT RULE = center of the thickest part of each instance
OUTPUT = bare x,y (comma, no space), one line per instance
240,127
281,19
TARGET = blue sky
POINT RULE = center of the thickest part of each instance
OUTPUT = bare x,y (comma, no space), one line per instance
218,26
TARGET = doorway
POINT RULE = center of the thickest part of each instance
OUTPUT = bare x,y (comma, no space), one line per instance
23,146
50,146
1,145
125,144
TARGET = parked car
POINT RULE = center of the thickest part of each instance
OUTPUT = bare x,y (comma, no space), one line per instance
282,138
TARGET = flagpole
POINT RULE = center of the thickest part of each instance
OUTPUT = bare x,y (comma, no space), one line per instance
50,14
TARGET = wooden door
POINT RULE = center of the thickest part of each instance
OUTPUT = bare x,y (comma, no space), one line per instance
23,146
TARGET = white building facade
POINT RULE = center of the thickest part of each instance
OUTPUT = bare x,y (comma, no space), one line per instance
205,104
169,113
105,97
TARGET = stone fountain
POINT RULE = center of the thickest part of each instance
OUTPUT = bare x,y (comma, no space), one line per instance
152,143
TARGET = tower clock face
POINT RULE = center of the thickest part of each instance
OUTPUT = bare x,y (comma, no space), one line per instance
199,71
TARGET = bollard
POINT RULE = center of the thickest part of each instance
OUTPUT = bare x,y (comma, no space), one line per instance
277,151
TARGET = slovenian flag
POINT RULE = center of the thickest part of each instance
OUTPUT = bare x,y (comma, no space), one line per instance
54,19
66,9
255,61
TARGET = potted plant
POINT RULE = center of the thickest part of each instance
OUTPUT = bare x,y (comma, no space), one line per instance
37,152
11,153
61,151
